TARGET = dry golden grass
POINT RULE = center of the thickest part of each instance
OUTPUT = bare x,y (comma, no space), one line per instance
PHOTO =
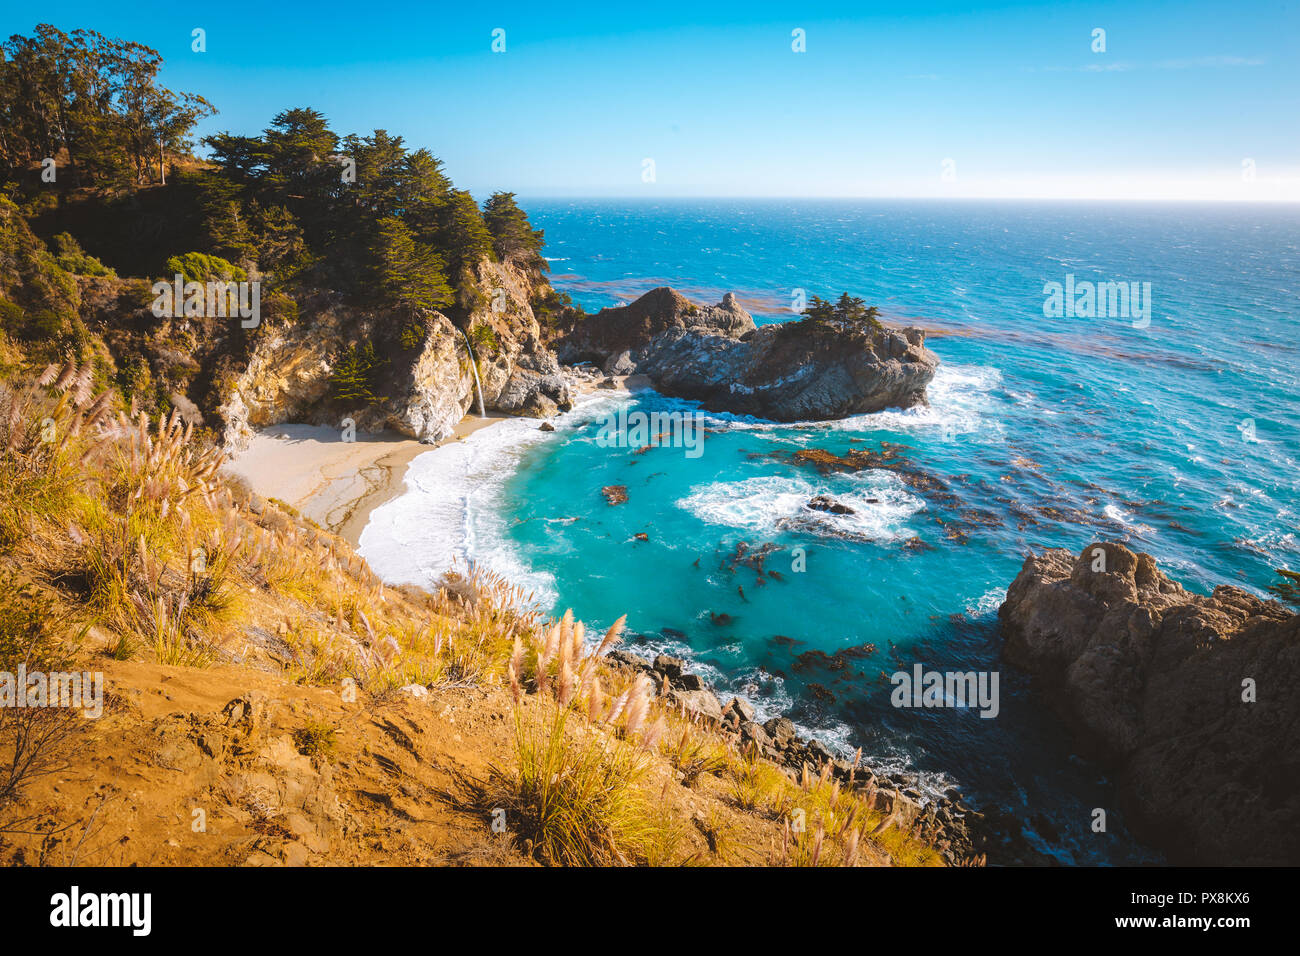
577,793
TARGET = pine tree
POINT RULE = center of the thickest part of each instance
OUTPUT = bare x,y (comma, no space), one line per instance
463,233
513,237
380,159
351,378
94,97
846,311
280,244
409,273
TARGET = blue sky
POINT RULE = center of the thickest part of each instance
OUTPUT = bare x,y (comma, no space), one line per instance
1013,94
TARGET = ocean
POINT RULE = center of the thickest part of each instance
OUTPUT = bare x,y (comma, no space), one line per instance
1173,430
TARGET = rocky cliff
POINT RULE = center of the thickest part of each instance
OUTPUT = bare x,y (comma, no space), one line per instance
520,374
423,379
1192,699
794,371
421,391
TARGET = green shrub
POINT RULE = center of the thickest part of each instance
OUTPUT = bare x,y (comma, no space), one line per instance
135,380
412,336
353,375
484,339
72,258
201,267
316,738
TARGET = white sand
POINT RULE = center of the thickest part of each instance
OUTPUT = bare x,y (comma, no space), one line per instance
338,484
334,483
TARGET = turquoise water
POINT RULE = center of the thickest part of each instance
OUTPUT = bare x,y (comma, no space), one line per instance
1178,438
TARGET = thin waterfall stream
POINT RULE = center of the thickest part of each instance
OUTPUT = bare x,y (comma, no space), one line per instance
473,364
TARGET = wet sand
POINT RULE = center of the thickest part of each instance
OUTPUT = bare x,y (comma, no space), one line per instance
335,483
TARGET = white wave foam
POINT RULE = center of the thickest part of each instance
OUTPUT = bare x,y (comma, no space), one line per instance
988,603
451,513
1118,515
959,402
774,503
1125,519
959,398
1279,546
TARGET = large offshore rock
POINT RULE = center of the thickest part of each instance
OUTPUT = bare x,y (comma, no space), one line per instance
1192,699
791,371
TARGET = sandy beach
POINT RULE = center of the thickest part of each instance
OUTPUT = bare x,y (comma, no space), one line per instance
338,484
335,483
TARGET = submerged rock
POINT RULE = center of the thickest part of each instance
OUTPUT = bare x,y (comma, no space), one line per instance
788,371
1192,699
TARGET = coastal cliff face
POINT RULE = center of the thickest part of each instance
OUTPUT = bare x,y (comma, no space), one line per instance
422,379
793,371
520,375
413,371
421,391
1193,699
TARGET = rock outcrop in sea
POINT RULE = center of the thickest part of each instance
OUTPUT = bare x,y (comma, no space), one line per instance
792,371
1192,700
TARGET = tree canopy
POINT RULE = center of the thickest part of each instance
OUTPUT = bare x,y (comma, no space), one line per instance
513,238
92,102
361,214
847,310
409,272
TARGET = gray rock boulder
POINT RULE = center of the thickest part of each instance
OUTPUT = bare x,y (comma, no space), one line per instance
781,730
697,703
531,393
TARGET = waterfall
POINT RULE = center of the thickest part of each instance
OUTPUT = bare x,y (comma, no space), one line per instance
474,365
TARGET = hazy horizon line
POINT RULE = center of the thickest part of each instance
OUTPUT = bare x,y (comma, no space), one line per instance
1226,200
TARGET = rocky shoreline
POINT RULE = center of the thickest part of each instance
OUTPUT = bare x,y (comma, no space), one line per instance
962,834
1130,657
421,366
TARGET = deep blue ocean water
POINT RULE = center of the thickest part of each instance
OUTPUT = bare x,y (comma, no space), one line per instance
1178,438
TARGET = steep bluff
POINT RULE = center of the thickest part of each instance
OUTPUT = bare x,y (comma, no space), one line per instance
422,382
412,371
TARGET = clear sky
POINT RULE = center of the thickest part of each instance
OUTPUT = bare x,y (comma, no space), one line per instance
1189,99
